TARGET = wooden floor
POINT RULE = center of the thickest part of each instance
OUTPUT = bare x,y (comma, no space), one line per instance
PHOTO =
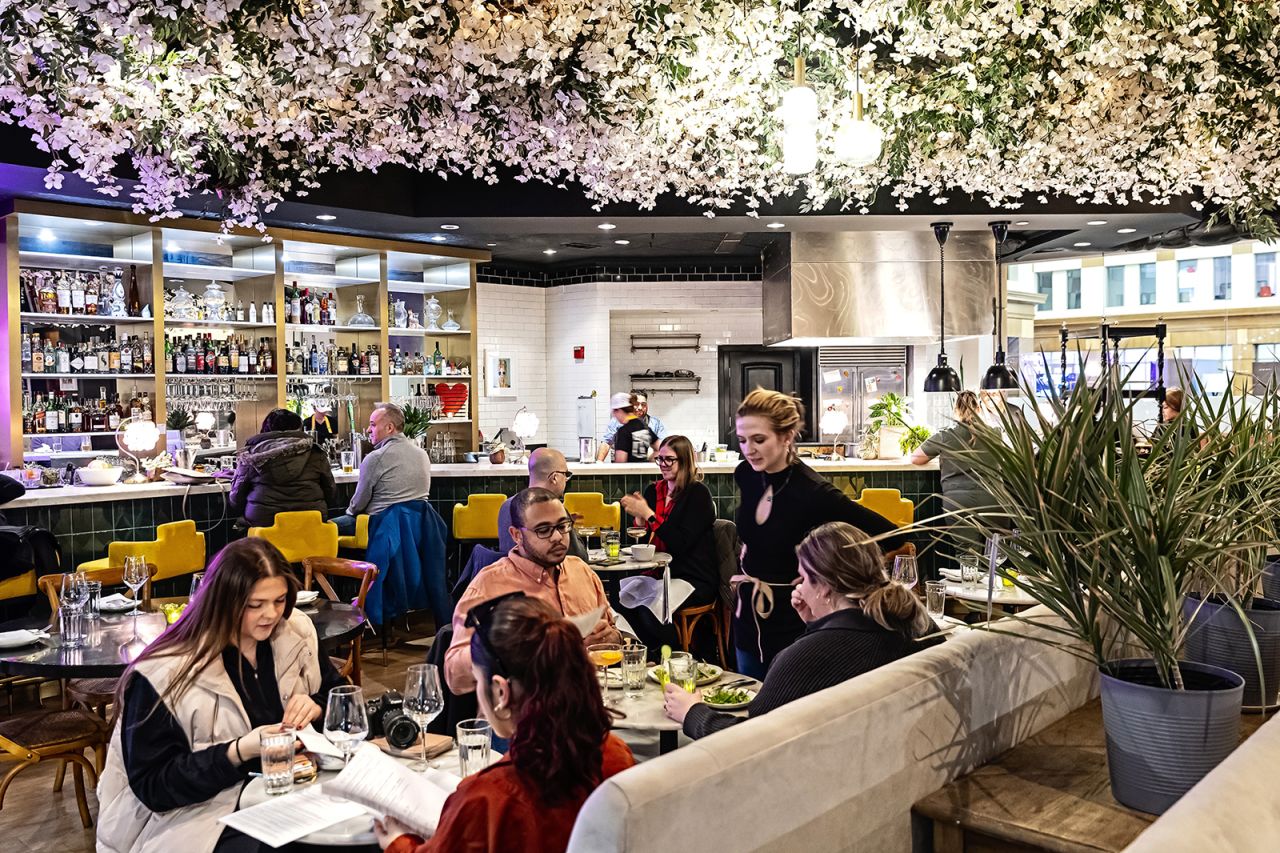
36,819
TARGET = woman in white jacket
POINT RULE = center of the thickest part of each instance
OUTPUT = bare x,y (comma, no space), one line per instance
240,659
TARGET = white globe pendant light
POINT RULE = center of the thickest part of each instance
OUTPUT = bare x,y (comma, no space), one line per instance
858,140
799,115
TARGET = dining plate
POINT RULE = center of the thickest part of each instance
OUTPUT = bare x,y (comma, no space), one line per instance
18,639
707,673
116,604
307,596
732,706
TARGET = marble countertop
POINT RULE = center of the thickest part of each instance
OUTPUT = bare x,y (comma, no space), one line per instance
121,492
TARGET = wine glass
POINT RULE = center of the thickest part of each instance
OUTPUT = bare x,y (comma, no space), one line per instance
423,701
135,577
905,571
586,532
345,721
605,655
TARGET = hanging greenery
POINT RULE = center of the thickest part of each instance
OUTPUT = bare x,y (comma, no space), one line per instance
252,100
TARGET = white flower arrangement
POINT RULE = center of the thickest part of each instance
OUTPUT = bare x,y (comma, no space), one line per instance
251,101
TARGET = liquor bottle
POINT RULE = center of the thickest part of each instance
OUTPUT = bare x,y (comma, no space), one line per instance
175,358
267,359
52,415
135,298
239,311
147,411
75,416
210,355
314,362
300,358
268,313
437,361
249,361
114,414
76,283
119,306
26,354
375,361
126,356
50,357
47,292
233,355
37,355
295,305
64,358
253,311
323,300
113,357
64,294
224,359
92,288
333,309
28,417
37,416
143,353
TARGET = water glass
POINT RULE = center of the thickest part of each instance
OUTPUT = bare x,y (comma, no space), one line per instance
346,722
348,461
612,544
474,738
635,667
93,590
684,670
935,598
71,626
277,759
969,571
905,571
423,701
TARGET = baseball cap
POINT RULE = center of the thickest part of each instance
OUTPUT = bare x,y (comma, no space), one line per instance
621,400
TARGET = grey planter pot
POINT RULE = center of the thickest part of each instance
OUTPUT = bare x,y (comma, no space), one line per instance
1271,580
1161,742
1218,638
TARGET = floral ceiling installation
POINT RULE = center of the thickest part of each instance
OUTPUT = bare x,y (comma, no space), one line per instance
1105,101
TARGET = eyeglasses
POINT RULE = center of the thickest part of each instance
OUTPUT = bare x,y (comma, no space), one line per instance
478,618
665,461
568,475
544,531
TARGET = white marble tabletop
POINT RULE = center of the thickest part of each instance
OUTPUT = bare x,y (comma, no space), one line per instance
1002,596
645,711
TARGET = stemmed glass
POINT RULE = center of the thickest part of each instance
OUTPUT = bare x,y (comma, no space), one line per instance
71,601
423,701
605,655
586,532
905,571
135,577
345,721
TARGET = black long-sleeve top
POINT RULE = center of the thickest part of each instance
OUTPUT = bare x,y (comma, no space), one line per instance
689,537
164,771
835,648
802,500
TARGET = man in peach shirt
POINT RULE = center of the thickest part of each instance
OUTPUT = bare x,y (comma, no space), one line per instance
540,567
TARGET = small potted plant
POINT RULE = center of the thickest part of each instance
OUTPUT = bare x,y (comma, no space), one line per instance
417,422
890,429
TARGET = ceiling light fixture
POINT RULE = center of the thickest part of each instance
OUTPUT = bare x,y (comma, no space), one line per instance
491,244
548,251
1096,222
606,226
438,238
449,226
1081,245
325,217
943,377
1125,230
799,125
859,140
776,225
622,242
998,376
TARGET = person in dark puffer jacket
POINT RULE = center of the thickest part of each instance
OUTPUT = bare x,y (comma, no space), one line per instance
281,470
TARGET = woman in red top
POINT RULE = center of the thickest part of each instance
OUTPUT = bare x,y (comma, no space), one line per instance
679,514
537,688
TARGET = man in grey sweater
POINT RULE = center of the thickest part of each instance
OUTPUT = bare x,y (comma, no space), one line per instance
395,470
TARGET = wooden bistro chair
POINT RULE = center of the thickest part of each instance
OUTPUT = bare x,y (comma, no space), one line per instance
686,620
93,694
320,569
61,735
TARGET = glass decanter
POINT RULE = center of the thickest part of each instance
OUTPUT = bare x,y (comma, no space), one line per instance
360,318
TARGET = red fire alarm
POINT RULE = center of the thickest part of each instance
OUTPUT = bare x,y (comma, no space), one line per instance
579,353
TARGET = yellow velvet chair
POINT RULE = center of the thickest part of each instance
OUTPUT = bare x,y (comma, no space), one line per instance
178,549
360,541
477,519
299,535
19,586
890,503
590,510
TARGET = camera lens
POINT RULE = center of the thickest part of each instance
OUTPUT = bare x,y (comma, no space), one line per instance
401,732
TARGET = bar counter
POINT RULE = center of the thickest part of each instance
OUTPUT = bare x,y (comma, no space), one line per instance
84,519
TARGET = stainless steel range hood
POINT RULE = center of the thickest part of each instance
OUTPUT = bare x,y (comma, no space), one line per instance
875,287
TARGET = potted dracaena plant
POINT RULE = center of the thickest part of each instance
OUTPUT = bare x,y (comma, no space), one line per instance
417,422
1113,542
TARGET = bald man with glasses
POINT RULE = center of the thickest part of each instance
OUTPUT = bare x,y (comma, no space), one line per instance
548,469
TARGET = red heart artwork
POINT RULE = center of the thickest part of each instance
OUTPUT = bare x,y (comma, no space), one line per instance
452,397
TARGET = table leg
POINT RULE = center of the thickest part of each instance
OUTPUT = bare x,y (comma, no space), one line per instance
668,740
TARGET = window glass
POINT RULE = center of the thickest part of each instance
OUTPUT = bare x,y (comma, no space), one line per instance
1073,289
1264,265
1115,286
1186,280
1222,278
1044,286
1147,284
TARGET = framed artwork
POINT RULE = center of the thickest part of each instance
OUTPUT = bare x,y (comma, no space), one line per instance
499,374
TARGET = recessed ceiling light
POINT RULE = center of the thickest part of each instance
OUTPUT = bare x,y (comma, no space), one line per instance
438,238
491,244
172,246
1081,245
622,242
1125,230
776,225
1023,222
45,235
548,251
449,226
606,226
325,217
1096,222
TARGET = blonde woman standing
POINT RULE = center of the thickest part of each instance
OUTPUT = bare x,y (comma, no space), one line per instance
782,500
856,619
959,488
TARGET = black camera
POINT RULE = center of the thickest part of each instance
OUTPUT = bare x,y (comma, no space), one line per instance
388,719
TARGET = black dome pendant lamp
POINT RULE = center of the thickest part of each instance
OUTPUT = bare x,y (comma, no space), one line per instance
942,378
998,376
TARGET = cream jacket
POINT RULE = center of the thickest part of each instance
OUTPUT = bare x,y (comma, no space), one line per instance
210,712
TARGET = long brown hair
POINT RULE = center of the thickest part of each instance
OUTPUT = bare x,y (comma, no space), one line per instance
845,559
561,721
784,413
212,619
966,407
686,461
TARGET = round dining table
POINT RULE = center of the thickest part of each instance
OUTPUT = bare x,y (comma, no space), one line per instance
612,572
110,645
1002,596
645,712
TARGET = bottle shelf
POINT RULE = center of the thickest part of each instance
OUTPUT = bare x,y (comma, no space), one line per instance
203,272
323,280
312,328
88,376
396,331
63,261
195,378
110,432
214,324
424,287
430,377
81,319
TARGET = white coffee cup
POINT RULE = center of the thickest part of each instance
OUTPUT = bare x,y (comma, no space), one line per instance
643,553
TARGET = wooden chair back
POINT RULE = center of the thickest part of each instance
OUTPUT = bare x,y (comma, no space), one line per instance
51,585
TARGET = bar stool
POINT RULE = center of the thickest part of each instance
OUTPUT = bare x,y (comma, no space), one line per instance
589,510
319,569
178,549
299,535
360,541
477,520
686,620
889,503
